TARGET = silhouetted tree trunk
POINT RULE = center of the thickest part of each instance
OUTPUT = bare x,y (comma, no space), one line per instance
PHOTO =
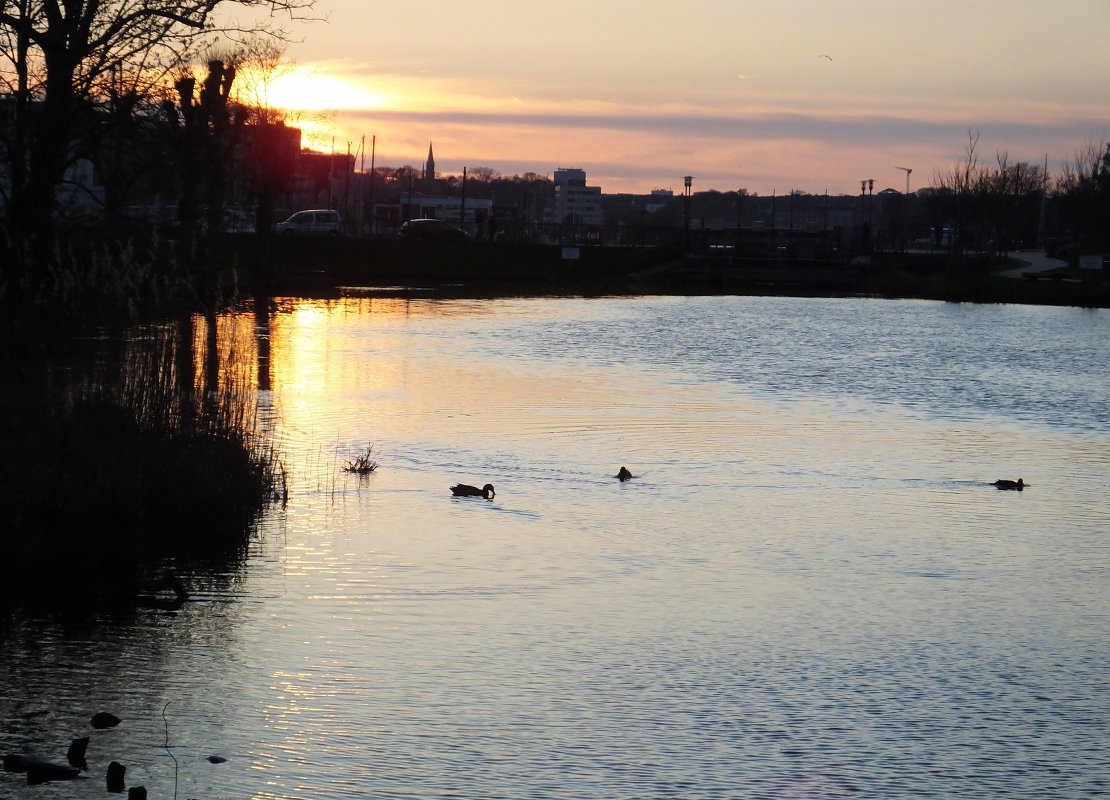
204,144
215,95
272,160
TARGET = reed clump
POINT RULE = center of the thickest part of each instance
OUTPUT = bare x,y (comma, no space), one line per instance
117,460
83,279
364,463
122,448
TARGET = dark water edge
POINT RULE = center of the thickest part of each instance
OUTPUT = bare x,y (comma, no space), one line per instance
322,267
114,468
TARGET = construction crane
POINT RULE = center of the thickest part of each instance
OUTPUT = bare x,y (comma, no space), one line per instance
906,170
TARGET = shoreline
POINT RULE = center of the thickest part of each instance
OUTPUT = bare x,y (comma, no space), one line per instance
332,267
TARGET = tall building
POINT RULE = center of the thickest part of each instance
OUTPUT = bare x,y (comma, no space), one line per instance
575,202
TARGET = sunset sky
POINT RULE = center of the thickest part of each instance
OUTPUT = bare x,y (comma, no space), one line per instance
798,94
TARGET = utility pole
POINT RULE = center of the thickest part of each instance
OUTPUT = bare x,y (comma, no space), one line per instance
373,149
687,182
462,204
739,216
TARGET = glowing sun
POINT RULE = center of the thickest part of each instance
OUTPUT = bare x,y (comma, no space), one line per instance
307,89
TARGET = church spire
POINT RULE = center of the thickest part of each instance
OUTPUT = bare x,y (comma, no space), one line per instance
430,165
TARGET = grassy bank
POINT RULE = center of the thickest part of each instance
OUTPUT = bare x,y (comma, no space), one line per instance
933,278
989,289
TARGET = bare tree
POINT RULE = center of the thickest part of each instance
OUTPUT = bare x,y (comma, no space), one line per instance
954,196
261,62
1082,191
64,57
988,208
204,142
1010,207
484,174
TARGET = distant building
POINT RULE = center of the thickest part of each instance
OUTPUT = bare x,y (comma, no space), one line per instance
266,160
80,194
575,202
660,199
450,209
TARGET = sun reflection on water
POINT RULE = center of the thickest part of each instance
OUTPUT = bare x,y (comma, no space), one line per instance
804,592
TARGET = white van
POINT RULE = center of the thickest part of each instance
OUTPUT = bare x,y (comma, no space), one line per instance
313,222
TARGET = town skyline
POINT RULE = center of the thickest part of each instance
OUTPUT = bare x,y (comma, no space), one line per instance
808,97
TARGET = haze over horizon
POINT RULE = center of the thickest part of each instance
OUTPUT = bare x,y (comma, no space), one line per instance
804,95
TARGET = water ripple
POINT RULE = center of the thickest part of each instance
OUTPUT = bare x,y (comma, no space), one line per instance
808,590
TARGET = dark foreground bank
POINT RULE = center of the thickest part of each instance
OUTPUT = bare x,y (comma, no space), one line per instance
116,464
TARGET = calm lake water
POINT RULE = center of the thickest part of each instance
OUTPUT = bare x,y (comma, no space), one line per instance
809,590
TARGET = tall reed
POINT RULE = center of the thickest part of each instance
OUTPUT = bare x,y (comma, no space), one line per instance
138,450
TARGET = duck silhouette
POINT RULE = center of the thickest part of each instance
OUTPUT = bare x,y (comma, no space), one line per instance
462,490
1019,484
624,474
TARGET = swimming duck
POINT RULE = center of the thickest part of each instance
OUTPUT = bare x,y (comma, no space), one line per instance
1019,484
624,474
462,490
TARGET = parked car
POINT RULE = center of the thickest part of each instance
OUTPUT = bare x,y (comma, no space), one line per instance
313,222
431,230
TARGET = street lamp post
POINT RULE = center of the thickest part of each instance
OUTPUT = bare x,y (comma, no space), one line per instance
863,215
905,208
866,187
687,182
462,203
870,211
739,216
